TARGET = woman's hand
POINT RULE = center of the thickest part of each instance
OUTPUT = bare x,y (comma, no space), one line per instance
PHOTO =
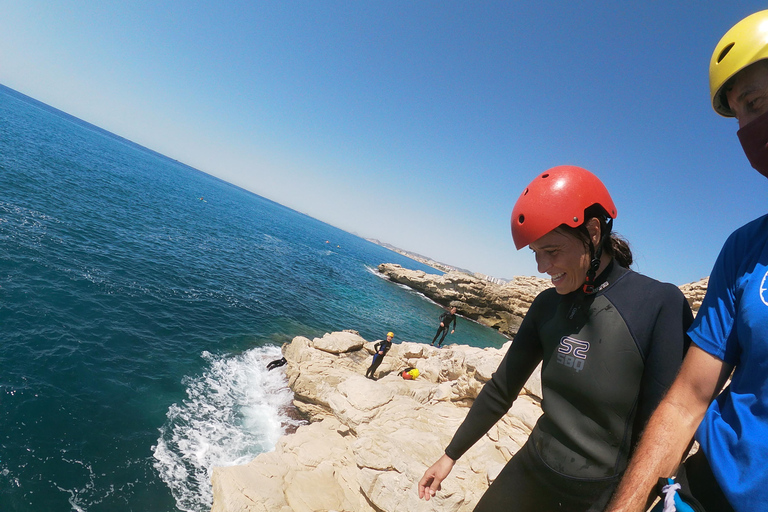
430,482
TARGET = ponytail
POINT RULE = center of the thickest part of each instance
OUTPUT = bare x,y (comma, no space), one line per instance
618,248
614,245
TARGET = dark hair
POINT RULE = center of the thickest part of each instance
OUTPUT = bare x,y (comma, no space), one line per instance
614,246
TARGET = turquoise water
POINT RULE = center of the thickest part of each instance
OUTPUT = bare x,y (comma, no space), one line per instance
139,302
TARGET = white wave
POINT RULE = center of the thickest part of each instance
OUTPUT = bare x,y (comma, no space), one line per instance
233,412
405,287
376,272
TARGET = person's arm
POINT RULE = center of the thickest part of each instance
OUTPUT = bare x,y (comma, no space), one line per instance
664,355
670,429
493,402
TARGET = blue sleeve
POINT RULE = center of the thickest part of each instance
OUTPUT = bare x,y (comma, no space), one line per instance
713,328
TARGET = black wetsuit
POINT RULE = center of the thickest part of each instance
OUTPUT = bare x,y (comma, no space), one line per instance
277,362
608,359
382,346
445,319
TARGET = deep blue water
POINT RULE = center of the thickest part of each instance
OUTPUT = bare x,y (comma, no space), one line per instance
139,302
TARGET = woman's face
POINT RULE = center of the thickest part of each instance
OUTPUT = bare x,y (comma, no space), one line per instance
564,257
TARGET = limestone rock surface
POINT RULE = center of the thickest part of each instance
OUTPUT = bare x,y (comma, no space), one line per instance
368,442
695,292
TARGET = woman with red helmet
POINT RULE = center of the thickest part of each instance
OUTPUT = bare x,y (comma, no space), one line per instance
611,341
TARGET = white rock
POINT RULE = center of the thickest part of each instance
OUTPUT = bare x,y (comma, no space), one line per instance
371,441
339,342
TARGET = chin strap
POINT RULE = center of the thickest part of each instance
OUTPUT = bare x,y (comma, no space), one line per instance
595,254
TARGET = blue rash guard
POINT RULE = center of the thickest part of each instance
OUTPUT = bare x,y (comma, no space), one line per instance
732,325
608,359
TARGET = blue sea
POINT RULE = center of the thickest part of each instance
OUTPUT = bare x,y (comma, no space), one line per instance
140,300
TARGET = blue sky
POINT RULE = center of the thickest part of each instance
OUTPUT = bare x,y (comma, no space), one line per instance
415,122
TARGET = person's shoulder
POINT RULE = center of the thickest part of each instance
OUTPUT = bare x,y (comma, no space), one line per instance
547,296
637,281
757,224
754,228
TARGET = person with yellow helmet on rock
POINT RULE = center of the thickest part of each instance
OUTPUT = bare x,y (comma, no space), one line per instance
381,348
730,332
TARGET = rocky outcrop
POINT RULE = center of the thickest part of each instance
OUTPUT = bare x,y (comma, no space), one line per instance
500,306
695,292
368,442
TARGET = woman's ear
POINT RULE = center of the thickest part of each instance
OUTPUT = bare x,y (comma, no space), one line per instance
593,228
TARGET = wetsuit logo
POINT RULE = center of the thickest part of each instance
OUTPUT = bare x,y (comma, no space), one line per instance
572,353
764,289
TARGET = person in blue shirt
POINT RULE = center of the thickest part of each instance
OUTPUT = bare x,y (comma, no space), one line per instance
730,333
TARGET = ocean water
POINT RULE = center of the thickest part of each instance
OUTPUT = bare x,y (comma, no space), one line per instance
139,302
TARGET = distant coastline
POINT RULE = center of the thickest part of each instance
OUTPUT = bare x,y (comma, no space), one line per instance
442,267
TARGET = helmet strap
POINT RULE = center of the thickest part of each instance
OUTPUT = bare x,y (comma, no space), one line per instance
594,255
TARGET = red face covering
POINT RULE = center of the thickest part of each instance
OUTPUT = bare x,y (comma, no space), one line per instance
754,141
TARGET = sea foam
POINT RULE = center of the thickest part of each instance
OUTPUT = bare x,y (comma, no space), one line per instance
234,411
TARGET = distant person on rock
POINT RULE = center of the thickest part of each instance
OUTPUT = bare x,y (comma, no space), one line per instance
611,341
381,348
445,323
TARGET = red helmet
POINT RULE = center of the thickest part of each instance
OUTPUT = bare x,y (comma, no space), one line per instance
555,197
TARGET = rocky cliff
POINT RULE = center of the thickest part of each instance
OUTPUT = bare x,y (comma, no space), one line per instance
368,442
500,306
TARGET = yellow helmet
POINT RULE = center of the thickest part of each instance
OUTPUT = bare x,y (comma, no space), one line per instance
391,334
744,44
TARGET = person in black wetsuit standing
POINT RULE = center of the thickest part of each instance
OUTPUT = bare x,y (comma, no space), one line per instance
611,341
445,324
381,348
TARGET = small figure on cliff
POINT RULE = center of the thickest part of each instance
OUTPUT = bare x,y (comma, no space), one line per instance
277,362
611,341
730,332
381,348
445,323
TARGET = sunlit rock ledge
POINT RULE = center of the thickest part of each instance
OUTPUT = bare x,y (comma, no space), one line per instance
368,442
